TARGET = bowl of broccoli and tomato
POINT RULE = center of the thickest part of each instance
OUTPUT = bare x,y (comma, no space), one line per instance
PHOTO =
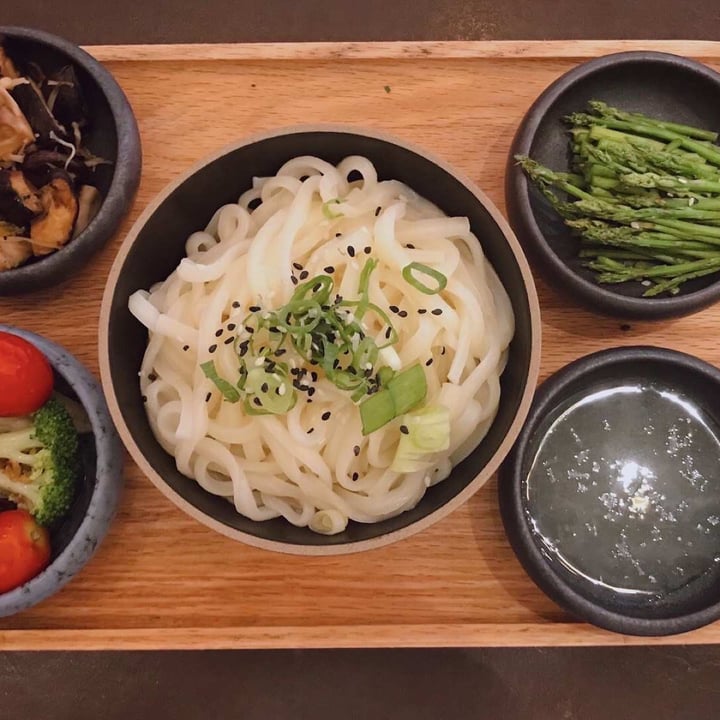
60,468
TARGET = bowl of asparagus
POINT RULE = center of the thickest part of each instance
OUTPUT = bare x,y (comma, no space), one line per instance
613,185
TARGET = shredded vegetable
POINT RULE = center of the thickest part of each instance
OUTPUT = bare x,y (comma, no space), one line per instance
409,277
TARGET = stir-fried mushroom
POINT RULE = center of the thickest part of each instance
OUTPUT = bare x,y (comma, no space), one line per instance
47,174
19,201
53,229
15,131
14,250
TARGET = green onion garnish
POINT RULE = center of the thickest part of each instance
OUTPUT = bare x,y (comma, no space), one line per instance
327,210
403,392
327,333
440,279
226,388
273,390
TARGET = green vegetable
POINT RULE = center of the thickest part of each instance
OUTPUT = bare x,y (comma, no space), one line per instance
409,277
328,211
643,197
403,392
49,461
428,432
273,391
226,388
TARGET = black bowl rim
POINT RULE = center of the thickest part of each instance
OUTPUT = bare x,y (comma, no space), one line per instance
54,268
523,219
106,492
512,512
341,548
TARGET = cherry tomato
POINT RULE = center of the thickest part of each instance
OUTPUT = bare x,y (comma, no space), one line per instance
24,548
26,378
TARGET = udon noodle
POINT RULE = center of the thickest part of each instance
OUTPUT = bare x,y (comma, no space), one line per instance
311,463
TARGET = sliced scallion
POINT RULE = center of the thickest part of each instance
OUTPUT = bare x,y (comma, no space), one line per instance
229,392
327,210
403,392
409,277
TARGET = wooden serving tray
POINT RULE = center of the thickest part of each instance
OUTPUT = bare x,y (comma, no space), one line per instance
162,580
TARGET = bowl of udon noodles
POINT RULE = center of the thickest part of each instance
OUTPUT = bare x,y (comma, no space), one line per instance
320,340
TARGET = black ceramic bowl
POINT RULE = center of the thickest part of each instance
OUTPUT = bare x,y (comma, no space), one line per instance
155,246
657,84
604,508
112,135
75,541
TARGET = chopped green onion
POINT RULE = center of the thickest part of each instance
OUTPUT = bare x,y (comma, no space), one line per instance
266,387
327,212
226,388
408,388
440,279
428,432
385,374
403,392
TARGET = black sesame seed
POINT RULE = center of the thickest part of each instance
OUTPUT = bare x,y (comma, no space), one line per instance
294,280
208,396
212,348
219,332
402,313
428,362
314,376
355,476
367,249
257,401
229,340
264,387
338,234
311,391
310,431
236,304
152,377
242,348
410,246
329,269
269,365
388,333
351,251
404,430
317,287
308,401
422,311
326,415
294,371
442,350
280,351
356,450
394,308
297,266
378,210
304,275
186,348
231,326
144,398
436,311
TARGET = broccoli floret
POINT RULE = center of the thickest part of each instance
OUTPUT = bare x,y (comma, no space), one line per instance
45,461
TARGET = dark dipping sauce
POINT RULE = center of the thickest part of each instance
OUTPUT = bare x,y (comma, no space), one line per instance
623,491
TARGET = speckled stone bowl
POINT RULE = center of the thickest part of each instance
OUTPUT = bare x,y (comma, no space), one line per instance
75,541
113,135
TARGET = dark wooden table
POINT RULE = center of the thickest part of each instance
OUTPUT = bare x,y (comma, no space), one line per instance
678,683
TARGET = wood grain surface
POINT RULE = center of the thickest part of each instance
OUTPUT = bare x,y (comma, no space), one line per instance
162,580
